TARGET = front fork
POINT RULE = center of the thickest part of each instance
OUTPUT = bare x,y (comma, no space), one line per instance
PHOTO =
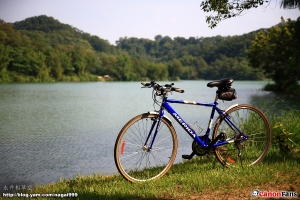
157,122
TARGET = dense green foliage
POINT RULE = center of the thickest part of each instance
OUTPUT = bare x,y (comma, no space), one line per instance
276,51
225,9
196,58
43,49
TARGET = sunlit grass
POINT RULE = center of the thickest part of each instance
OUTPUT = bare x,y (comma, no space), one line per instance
198,177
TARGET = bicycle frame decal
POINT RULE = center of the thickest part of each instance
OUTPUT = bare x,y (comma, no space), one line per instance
184,125
189,102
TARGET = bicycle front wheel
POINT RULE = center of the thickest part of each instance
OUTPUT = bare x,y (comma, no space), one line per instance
251,122
133,159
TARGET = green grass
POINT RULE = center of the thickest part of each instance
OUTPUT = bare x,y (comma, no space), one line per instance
285,131
200,178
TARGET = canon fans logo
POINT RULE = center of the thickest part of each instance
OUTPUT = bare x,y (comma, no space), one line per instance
257,193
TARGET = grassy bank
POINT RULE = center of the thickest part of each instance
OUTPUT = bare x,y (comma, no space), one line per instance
292,90
203,177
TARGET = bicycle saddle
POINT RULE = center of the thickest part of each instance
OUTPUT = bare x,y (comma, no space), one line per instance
220,83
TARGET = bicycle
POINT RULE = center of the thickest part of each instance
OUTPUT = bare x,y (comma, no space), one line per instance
146,146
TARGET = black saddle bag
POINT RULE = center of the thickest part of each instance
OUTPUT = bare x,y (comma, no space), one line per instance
227,94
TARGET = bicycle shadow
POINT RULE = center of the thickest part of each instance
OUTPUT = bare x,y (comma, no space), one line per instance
92,196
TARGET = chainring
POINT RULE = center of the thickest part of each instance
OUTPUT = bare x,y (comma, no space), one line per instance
197,149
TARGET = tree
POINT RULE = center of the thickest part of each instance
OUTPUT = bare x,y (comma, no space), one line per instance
40,23
276,51
53,60
125,71
4,57
231,8
290,4
157,71
174,68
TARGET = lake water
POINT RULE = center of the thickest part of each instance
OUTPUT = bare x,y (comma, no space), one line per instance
54,130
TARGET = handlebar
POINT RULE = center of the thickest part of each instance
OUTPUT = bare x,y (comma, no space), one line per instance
161,89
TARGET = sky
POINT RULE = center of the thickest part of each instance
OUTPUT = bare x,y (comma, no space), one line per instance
113,19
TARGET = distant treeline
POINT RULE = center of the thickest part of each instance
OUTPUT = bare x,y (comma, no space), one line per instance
43,49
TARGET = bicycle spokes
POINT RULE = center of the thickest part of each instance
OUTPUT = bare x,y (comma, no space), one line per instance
135,158
251,145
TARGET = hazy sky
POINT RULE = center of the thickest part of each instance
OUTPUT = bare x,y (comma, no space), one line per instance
112,19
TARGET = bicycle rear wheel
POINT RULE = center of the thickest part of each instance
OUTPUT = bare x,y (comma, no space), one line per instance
253,123
132,158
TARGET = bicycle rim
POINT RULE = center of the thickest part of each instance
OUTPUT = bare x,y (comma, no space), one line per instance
253,123
133,160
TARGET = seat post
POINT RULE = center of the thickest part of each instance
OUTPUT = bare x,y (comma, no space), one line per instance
216,99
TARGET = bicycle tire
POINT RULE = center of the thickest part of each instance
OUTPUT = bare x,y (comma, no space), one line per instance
252,122
132,160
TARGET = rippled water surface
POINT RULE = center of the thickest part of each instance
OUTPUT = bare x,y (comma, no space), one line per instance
48,131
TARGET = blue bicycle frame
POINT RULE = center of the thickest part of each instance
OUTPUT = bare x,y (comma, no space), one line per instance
204,144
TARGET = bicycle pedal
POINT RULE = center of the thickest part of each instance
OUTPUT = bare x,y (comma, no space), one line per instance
186,157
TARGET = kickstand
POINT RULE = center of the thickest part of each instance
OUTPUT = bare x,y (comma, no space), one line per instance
238,146
241,159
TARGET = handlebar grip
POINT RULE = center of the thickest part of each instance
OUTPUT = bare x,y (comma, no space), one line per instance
169,85
178,90
145,84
